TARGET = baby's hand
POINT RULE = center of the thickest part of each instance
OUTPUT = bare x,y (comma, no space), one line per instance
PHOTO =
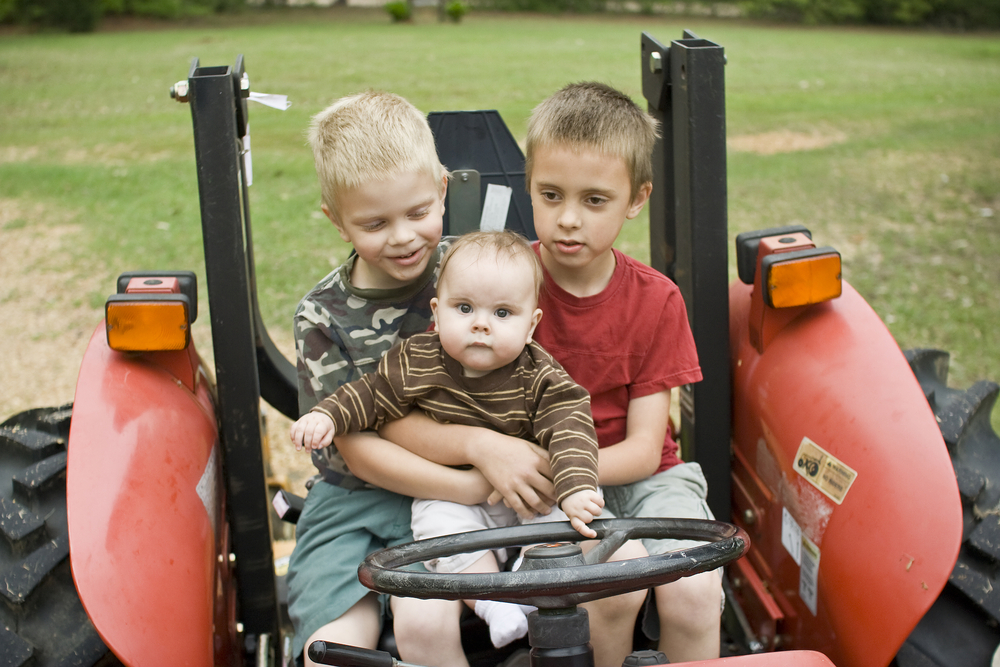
313,430
583,507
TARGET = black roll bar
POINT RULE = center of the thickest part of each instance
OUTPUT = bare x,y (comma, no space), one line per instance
244,353
684,85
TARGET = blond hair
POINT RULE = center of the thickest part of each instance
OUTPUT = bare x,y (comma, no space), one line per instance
370,136
594,115
501,245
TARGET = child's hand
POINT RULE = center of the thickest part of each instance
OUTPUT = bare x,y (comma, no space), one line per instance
517,469
527,511
583,507
313,430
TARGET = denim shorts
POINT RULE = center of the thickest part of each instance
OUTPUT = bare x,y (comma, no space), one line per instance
338,528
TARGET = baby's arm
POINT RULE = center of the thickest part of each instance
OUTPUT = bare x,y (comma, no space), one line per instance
582,507
516,468
313,430
391,467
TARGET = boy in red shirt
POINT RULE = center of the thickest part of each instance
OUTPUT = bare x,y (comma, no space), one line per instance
619,328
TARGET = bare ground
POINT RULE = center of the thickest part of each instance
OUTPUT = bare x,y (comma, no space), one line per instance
50,306
784,141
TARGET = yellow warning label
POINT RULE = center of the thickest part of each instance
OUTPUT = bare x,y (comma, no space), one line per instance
824,471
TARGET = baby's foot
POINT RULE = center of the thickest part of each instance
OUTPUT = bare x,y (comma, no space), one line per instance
507,621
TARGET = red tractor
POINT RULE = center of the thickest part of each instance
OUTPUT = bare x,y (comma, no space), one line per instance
868,539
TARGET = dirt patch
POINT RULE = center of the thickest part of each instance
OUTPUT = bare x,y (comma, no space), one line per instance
51,301
13,154
45,315
784,141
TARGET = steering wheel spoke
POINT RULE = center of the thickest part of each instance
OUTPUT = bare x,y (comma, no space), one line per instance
606,547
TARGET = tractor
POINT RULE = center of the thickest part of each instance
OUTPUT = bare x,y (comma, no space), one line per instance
857,487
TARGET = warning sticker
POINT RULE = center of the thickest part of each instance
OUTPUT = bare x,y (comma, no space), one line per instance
809,574
791,536
824,471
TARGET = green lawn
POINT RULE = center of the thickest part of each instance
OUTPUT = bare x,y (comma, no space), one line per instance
900,169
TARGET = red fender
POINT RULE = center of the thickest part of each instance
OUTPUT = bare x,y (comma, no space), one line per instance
783,659
144,491
887,538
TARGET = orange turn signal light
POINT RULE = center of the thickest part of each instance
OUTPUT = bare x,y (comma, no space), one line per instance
801,278
147,322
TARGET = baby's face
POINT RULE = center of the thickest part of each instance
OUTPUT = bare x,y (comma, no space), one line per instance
485,311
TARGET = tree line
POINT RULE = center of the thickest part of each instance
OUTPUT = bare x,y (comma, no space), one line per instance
85,15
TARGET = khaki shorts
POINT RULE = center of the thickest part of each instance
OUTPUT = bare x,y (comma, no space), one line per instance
677,493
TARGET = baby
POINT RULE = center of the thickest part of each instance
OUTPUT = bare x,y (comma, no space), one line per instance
479,367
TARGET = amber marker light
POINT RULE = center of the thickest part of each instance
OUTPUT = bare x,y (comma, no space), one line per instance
801,278
147,322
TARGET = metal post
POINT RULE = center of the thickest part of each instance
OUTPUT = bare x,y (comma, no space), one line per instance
684,85
218,113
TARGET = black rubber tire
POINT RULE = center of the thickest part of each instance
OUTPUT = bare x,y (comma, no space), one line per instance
42,622
962,628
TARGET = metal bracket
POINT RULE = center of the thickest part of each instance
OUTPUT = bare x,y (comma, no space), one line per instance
464,197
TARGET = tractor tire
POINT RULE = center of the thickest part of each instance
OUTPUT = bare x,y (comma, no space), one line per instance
42,622
962,627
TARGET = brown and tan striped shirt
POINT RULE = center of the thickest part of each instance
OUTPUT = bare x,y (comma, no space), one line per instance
531,398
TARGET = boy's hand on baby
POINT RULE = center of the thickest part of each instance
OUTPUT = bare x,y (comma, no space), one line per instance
518,470
583,507
313,430
527,513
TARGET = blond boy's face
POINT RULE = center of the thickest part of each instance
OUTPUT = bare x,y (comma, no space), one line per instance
394,225
580,199
485,311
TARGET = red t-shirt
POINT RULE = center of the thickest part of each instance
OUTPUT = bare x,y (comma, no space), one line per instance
631,340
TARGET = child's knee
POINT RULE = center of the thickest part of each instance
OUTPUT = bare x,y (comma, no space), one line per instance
618,610
629,550
422,625
691,600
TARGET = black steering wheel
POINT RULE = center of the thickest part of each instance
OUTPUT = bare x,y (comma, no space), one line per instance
556,575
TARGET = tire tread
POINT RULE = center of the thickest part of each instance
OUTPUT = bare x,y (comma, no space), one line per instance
42,621
969,606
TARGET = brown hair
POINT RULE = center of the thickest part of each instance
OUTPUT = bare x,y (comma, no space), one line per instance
596,116
503,244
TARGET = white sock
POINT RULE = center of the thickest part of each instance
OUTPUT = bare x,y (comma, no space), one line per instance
507,622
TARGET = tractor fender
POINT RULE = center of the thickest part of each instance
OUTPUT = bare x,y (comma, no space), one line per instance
143,503
841,478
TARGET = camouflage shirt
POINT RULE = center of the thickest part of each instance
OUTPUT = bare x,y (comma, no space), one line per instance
341,333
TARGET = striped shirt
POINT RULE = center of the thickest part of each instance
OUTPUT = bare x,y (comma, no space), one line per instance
531,398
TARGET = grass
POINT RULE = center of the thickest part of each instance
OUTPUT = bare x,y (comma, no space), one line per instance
905,178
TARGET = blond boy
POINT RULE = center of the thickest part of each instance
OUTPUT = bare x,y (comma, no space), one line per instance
383,188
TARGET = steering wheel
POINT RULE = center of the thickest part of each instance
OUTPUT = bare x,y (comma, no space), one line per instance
556,575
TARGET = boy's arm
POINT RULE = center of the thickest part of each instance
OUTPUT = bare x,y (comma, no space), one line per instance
322,363
389,466
516,468
638,455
